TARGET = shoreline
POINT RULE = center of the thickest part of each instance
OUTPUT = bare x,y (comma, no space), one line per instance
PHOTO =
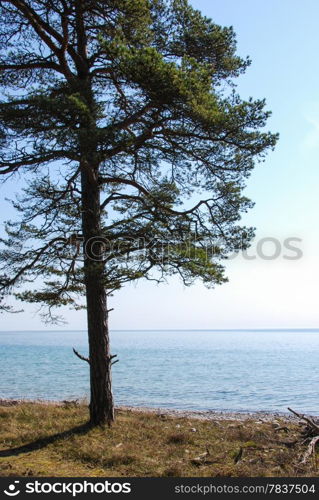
148,442
214,415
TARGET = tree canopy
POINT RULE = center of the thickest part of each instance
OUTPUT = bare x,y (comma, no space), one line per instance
161,119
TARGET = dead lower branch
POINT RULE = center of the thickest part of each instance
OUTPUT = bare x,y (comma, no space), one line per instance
111,357
83,358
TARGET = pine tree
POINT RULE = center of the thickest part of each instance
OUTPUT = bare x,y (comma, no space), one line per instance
123,119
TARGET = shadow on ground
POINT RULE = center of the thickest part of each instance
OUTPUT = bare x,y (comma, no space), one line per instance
43,442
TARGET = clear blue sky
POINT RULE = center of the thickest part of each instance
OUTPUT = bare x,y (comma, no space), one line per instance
282,39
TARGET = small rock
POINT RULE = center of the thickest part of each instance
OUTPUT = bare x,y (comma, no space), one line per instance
201,458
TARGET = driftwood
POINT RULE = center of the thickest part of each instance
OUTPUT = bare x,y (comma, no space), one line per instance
308,420
311,451
312,432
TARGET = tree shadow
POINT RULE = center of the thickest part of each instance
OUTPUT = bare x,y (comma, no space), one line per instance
43,442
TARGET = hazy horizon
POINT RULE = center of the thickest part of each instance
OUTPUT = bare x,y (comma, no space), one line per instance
172,330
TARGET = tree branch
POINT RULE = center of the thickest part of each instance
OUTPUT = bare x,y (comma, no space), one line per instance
83,358
8,166
142,189
46,32
31,65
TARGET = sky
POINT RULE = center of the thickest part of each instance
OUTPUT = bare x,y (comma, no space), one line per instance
281,37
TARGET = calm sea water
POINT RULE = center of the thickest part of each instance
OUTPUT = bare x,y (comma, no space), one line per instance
202,370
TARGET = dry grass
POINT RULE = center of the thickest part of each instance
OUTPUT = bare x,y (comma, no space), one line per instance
144,444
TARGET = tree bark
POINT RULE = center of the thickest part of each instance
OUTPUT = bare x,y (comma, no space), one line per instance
101,401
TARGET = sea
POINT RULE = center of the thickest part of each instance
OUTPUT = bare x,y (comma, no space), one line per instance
230,370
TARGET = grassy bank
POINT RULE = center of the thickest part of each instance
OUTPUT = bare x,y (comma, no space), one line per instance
35,441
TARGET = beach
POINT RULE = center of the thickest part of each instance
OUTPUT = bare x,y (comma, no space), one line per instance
41,438
243,416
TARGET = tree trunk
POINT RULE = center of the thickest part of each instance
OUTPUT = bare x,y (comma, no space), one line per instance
101,402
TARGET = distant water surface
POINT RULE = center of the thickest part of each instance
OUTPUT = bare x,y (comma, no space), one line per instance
199,370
